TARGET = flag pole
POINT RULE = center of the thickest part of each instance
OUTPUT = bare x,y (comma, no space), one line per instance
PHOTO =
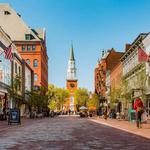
1,53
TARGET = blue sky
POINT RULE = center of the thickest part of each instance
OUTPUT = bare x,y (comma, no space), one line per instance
92,25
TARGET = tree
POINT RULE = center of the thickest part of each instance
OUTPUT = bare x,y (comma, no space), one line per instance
37,99
141,83
52,105
81,97
93,103
15,91
56,97
115,94
51,93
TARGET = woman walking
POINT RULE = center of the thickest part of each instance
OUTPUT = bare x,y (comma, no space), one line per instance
138,106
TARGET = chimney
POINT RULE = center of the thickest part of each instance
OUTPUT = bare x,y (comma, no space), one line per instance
127,46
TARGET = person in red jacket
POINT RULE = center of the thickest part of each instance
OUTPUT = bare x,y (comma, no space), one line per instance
138,106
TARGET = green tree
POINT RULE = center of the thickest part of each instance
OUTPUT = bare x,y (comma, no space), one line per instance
57,97
62,95
81,97
93,103
37,99
15,91
141,83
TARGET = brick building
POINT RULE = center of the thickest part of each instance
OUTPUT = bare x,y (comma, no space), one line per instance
115,76
103,70
31,43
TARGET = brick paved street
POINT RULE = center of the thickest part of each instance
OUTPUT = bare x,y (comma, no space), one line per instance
125,126
68,133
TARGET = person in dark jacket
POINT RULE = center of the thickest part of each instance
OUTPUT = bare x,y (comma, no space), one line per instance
138,106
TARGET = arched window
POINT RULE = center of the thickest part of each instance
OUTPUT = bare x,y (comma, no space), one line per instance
28,61
35,63
35,77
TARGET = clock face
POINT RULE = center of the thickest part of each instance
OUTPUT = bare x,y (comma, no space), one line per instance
72,85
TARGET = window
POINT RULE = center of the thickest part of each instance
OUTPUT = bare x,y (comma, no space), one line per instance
33,47
15,67
28,48
35,77
19,71
28,61
35,63
6,12
23,48
28,36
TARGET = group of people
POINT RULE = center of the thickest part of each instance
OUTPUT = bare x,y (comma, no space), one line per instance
138,106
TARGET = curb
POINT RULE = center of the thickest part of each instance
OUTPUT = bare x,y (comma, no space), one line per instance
117,127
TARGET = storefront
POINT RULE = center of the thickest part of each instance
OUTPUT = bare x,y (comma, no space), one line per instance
3,100
5,75
148,105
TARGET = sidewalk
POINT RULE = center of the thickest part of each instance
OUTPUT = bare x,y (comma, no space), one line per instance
24,121
125,126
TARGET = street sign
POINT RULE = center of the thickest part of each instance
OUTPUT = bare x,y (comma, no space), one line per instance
14,116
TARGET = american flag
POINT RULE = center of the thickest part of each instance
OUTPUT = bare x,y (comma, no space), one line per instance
8,52
142,55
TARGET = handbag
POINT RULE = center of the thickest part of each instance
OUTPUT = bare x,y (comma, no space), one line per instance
144,117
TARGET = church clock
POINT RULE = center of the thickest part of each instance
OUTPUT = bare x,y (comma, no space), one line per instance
72,85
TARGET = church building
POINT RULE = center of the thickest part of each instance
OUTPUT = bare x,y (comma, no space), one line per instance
71,81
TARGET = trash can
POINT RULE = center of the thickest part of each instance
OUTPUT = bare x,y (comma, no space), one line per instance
132,115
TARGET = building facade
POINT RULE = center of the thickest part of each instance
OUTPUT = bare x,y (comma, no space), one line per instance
5,74
8,71
27,84
71,81
115,76
103,71
134,71
31,43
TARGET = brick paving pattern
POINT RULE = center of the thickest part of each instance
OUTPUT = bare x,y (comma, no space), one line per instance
69,133
126,126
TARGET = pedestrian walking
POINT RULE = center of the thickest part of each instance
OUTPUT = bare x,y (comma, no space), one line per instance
138,106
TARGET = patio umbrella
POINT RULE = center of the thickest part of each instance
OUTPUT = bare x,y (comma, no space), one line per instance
83,108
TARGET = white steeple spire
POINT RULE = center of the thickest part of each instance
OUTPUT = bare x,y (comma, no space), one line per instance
71,72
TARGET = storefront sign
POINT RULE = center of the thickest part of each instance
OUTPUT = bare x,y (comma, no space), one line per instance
14,116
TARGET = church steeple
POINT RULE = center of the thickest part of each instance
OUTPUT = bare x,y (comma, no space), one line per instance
71,53
71,82
71,72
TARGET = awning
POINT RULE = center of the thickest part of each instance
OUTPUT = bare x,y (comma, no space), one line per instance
2,93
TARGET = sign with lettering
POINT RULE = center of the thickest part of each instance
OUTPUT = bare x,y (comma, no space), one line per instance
14,116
